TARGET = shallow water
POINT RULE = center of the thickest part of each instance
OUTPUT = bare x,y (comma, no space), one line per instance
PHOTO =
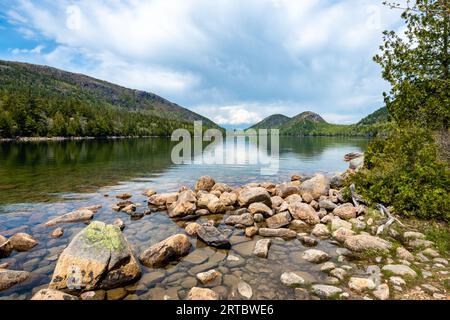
39,181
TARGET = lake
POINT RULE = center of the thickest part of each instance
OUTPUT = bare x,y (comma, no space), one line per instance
40,180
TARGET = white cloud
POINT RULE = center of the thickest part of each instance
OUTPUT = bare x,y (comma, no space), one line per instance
37,50
253,56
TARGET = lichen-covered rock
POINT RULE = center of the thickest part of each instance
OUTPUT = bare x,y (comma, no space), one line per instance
345,211
305,212
170,249
197,293
317,186
53,295
10,278
185,205
99,257
205,183
247,196
71,217
363,242
279,220
22,242
261,208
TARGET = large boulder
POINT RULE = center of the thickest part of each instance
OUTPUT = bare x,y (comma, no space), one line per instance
185,205
363,242
80,215
53,295
10,278
305,212
213,237
98,257
22,242
160,254
5,247
205,183
317,186
247,196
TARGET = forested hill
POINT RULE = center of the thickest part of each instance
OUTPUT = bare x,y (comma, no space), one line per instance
43,101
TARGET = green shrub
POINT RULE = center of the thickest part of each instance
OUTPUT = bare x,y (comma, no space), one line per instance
403,170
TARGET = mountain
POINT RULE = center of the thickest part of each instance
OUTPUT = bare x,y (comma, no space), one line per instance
39,100
272,122
311,124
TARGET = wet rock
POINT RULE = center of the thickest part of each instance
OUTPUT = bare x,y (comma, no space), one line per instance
205,183
245,219
213,237
318,186
10,278
320,230
119,224
53,295
282,233
345,211
291,279
162,253
251,231
361,284
211,278
130,209
327,204
22,242
305,212
307,241
4,265
124,196
342,234
362,242
400,270
149,192
252,195
285,190
192,229
57,233
116,294
99,257
260,208
71,217
262,248
325,291
163,199
185,205
279,220
202,294
5,247
315,256
245,290
404,254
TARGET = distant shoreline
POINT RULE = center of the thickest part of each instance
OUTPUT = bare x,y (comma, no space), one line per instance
43,139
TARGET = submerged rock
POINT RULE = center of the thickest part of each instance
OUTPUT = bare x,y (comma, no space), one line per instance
245,290
57,233
213,237
71,217
282,233
291,279
315,256
10,278
99,257
5,247
197,293
211,278
245,219
22,242
161,253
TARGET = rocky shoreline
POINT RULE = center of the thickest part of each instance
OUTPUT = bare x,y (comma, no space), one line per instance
369,253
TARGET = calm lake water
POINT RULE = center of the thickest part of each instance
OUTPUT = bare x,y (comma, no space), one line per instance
40,180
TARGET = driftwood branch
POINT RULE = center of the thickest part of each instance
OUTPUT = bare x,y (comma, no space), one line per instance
391,219
356,198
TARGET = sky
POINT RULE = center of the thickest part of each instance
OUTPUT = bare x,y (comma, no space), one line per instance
235,62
